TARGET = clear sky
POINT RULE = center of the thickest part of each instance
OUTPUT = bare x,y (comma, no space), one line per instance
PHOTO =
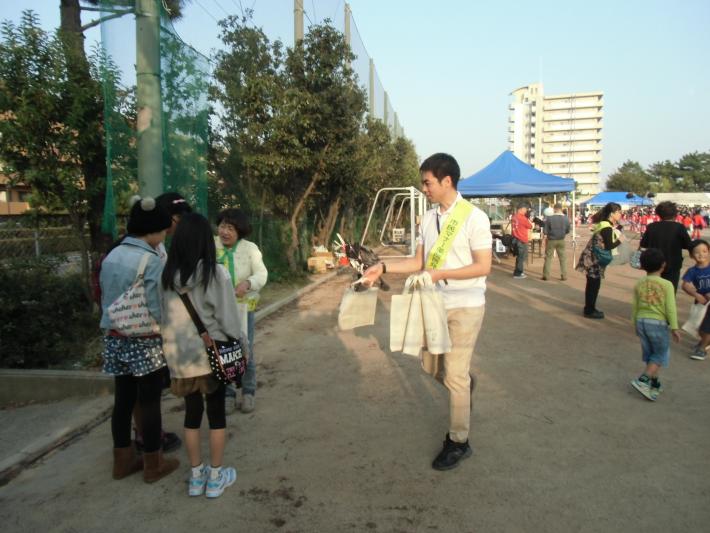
449,66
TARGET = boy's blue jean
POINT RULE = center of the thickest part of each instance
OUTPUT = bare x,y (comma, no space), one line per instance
249,378
655,340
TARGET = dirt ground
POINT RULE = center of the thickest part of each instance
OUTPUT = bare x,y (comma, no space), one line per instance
345,431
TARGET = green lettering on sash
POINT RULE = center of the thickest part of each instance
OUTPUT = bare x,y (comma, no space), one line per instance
446,238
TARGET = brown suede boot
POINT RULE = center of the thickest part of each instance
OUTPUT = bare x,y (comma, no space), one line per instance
125,462
155,466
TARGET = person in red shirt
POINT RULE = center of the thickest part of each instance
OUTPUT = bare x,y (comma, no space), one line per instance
520,225
698,224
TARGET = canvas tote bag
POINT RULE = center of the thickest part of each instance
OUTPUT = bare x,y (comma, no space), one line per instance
697,314
436,326
357,308
406,326
129,313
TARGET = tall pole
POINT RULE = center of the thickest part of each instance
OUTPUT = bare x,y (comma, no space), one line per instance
386,114
149,122
348,14
297,21
372,88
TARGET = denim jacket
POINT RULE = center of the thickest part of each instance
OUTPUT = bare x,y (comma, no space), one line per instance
118,272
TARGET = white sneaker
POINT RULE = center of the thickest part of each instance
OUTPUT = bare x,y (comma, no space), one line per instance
196,485
248,403
215,487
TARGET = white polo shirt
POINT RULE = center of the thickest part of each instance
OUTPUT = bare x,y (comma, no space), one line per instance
474,235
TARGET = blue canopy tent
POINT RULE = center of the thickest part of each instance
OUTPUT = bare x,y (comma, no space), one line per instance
621,198
509,176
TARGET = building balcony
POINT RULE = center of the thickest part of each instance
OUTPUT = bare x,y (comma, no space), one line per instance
575,103
575,114
586,157
572,136
572,126
564,147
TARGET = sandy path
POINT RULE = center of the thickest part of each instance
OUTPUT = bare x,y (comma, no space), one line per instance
344,433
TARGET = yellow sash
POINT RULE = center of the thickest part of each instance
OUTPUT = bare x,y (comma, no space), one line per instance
443,244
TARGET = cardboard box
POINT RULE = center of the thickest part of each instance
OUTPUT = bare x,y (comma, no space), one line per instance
320,264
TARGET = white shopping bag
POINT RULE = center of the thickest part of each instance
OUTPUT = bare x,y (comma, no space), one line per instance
697,314
436,327
406,329
357,308
243,310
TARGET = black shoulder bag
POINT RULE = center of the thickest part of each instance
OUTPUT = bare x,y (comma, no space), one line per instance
228,359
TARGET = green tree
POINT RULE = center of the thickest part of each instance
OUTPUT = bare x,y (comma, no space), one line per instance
629,177
43,129
694,169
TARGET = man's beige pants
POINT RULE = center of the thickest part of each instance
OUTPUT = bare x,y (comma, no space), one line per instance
453,369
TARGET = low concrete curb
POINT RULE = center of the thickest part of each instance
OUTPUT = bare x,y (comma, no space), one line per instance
82,419
21,386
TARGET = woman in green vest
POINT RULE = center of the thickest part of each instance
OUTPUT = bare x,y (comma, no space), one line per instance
604,238
244,262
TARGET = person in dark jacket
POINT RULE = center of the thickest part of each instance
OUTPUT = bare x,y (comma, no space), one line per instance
670,237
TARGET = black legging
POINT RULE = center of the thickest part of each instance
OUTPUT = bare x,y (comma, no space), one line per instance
194,407
591,292
146,389
672,275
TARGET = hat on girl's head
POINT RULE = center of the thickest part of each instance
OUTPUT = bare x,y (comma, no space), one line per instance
147,217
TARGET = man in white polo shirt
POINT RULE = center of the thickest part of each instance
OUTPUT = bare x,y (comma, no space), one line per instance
458,264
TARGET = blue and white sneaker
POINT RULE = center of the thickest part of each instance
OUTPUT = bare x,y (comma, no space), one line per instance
642,385
196,485
698,353
215,487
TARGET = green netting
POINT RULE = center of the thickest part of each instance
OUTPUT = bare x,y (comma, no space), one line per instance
184,76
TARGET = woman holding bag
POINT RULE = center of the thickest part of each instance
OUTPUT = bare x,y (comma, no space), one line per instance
596,255
192,269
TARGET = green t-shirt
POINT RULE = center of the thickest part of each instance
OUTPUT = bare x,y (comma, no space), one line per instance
654,297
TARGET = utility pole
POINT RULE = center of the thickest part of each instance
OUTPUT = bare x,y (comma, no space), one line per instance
372,89
348,14
149,123
385,117
297,21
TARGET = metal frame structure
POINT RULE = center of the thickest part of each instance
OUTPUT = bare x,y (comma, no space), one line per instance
417,208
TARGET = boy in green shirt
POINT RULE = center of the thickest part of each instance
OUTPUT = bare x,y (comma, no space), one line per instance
653,311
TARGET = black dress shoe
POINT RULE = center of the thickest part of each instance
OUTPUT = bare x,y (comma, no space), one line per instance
594,314
451,454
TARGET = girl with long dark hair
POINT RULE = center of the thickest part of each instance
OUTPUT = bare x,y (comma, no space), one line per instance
192,269
604,236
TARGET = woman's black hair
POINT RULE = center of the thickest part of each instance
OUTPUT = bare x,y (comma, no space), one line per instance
667,210
173,203
696,243
237,218
191,244
652,260
604,212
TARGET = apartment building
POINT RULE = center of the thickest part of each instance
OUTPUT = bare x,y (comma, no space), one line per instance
559,134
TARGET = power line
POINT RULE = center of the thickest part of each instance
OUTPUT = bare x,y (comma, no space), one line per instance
314,10
220,6
240,6
336,9
205,10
